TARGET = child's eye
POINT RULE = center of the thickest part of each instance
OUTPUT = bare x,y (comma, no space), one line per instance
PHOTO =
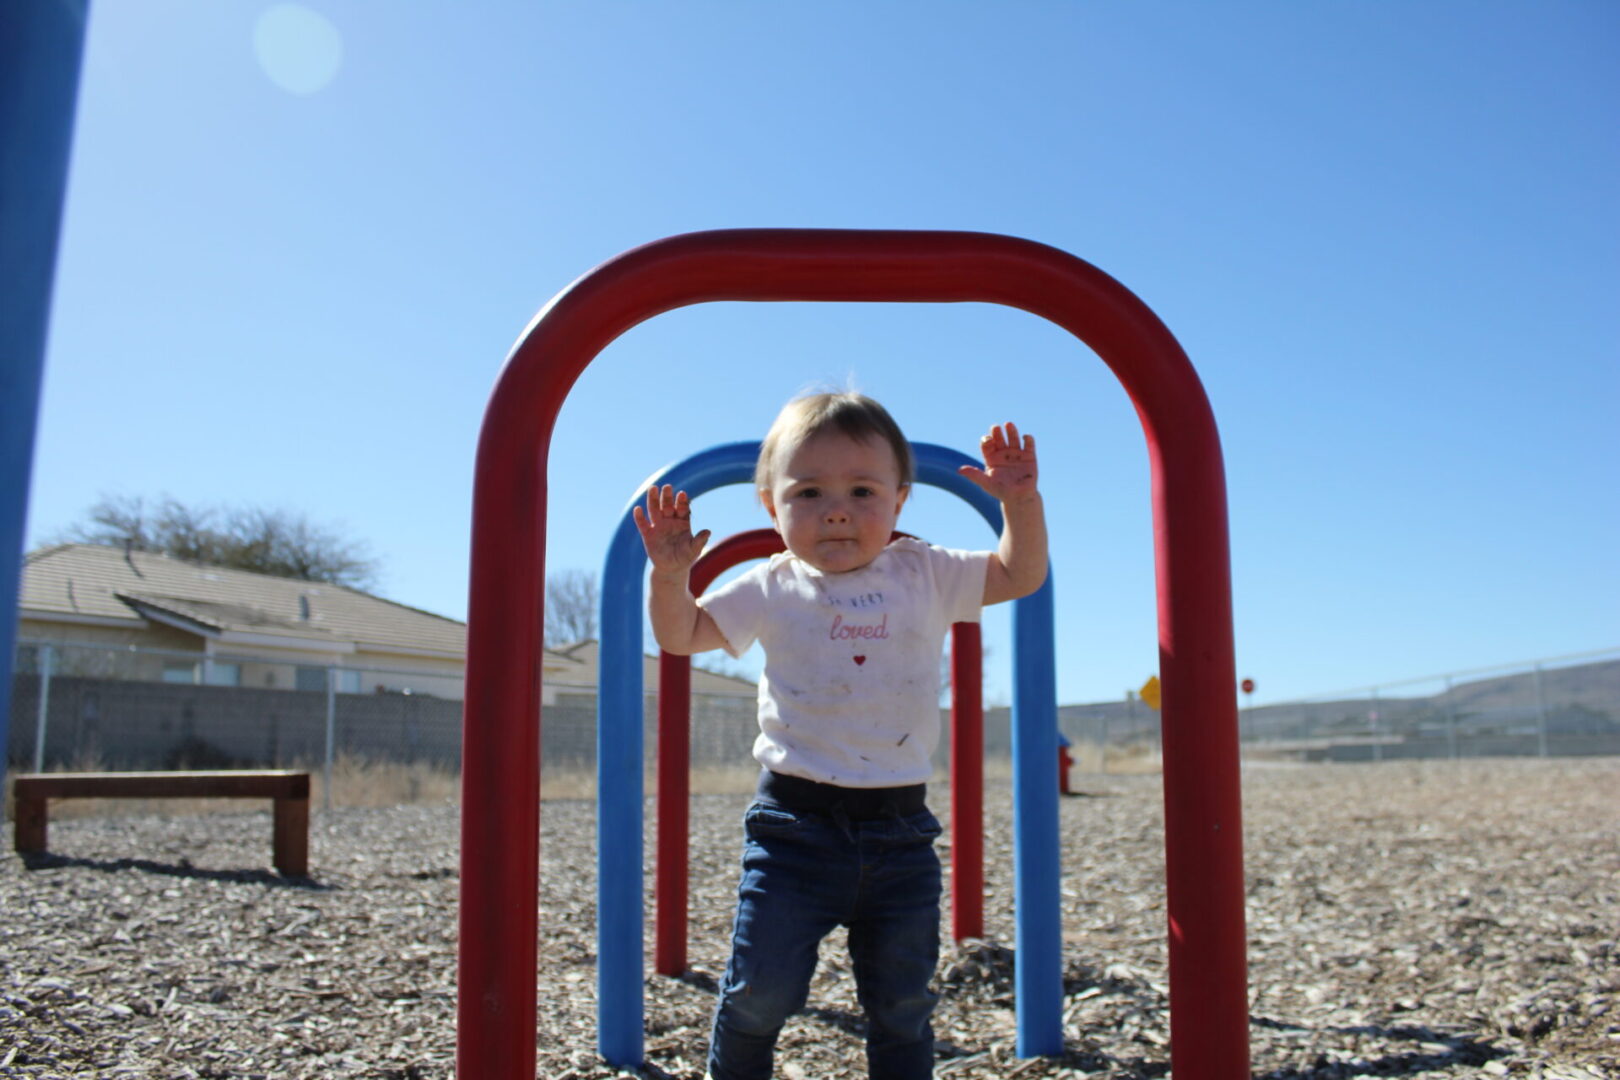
862,492
808,493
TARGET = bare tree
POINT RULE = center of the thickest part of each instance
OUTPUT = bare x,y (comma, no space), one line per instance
571,604
290,545
278,542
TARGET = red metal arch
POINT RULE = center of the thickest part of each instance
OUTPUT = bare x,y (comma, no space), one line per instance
674,755
500,801
671,871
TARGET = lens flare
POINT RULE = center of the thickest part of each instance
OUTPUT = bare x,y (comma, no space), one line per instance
299,49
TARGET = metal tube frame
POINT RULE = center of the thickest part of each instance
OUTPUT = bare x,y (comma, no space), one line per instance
1038,983
501,755
41,54
672,863
671,866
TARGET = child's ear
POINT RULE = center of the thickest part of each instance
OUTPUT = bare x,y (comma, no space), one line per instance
905,491
770,506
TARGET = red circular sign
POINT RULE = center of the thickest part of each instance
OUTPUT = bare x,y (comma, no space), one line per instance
1248,686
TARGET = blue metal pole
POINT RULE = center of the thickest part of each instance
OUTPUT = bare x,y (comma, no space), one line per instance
41,50
1038,931
619,956
1038,977
620,749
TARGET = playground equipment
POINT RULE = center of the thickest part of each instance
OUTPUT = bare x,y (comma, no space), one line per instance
501,775
41,51
674,789
619,764
287,789
671,864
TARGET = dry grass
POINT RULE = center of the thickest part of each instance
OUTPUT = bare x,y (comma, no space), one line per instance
360,782
1140,759
355,782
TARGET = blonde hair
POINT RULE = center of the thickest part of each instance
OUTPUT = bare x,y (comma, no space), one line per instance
846,412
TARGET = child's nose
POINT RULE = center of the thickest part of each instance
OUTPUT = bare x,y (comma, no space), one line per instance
836,512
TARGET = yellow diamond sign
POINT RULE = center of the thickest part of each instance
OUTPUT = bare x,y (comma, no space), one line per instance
1150,692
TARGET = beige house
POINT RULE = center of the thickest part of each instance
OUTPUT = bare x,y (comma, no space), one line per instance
114,613
579,686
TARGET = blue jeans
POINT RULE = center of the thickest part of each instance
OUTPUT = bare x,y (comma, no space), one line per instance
802,875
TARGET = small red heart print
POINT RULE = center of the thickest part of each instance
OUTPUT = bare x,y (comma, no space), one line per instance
859,660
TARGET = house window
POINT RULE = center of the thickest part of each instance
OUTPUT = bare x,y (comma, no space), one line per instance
179,671
314,678
223,674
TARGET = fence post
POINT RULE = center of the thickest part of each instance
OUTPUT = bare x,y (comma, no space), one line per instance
1541,710
331,737
1372,724
1451,720
47,655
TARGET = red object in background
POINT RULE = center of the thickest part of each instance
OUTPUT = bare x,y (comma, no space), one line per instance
1248,686
1065,763
502,715
672,870
674,756
967,782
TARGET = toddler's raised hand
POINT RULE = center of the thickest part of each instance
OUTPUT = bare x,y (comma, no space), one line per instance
1009,472
666,530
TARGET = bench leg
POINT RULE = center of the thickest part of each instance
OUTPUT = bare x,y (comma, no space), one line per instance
291,843
29,827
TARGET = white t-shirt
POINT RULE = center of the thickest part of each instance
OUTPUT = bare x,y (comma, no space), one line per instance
850,692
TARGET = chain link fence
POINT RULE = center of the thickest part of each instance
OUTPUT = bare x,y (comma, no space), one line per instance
1559,707
373,735
93,707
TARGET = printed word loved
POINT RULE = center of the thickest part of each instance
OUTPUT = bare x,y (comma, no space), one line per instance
842,631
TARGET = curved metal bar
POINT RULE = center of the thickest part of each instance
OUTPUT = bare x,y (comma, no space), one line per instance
620,750
671,862
500,757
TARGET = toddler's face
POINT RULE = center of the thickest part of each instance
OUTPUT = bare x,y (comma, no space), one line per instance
835,500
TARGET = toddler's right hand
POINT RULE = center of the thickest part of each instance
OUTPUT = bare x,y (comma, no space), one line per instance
666,531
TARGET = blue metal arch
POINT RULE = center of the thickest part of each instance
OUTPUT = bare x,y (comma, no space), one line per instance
620,755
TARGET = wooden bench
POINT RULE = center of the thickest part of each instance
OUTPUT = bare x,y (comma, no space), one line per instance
290,790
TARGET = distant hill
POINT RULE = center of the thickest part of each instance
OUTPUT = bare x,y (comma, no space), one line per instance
1579,699
1595,686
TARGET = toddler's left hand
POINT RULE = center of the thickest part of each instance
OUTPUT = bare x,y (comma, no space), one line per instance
1009,472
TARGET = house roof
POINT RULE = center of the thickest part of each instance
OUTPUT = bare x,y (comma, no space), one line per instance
97,583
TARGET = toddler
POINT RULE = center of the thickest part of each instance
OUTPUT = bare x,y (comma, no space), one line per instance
852,625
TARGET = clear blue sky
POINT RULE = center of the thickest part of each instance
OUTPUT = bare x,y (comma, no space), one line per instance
300,240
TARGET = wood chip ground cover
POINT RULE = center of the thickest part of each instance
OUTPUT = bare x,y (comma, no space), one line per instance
1406,919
